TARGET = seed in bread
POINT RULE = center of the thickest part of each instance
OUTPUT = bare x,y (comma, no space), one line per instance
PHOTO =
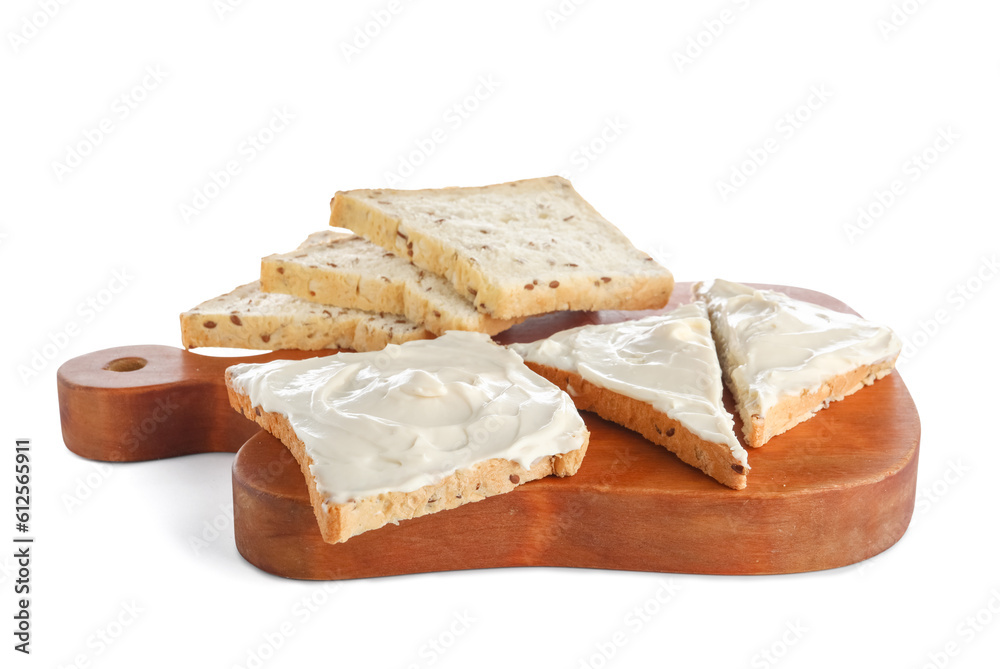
658,376
785,359
345,270
516,249
412,430
250,318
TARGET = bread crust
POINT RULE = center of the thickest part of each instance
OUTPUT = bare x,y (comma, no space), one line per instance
794,409
234,320
716,460
357,290
340,522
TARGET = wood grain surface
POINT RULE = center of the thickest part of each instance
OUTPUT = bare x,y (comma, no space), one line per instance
830,492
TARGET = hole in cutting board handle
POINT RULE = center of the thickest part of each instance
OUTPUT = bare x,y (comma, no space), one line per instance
126,364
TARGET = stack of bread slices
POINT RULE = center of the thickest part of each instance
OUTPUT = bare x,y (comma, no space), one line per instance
402,265
424,426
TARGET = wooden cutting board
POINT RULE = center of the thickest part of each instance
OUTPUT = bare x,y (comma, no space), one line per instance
831,492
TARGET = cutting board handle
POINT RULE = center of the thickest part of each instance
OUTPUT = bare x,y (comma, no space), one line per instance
134,403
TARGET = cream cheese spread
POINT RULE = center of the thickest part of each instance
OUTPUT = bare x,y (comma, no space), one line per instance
412,414
772,345
667,361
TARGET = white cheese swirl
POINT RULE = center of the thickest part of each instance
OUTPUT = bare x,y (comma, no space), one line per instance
412,414
773,346
668,361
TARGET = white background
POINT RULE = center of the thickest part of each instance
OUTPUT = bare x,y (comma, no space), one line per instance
672,132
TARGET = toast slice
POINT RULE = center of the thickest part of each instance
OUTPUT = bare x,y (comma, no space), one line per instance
785,359
248,317
339,268
412,430
516,249
658,376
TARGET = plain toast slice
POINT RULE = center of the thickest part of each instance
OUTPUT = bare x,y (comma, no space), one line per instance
516,249
345,270
250,318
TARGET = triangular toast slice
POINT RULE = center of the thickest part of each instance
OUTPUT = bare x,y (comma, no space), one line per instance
785,359
658,376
